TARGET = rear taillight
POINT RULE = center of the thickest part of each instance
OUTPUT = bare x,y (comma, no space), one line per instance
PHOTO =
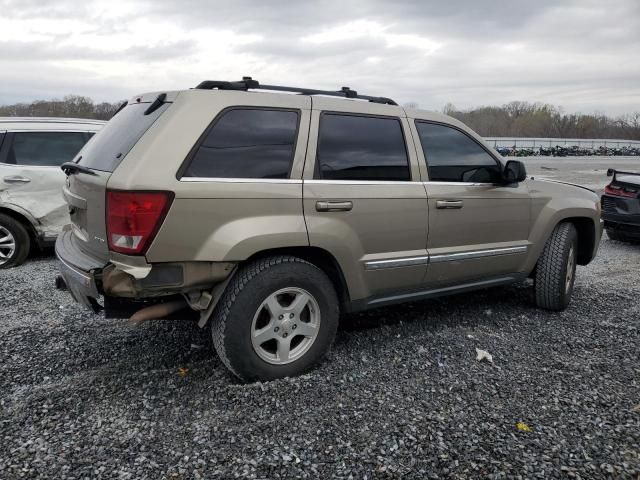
619,191
133,219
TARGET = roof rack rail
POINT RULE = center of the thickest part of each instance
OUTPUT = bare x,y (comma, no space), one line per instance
247,83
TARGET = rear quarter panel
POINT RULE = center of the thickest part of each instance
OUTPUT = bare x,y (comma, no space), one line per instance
215,219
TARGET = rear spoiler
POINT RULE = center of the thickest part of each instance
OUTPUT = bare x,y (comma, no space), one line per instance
612,172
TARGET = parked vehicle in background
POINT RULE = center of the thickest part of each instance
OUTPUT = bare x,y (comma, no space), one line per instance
621,206
568,151
269,214
32,208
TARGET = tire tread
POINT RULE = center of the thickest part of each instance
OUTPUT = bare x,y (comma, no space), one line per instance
237,285
550,275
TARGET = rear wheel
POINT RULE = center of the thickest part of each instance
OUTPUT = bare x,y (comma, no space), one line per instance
277,318
556,268
14,242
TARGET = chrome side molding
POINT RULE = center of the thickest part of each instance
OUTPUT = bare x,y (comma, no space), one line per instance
396,262
491,252
440,258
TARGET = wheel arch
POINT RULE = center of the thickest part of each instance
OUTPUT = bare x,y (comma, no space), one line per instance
322,259
28,222
586,230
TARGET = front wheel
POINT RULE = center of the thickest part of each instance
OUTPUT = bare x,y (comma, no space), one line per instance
277,318
556,269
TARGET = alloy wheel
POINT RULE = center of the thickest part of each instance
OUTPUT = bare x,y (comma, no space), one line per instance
570,269
7,245
285,326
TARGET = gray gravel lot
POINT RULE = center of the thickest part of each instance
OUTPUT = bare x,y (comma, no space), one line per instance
401,395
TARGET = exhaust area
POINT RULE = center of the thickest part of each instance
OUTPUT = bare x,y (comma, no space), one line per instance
60,283
156,312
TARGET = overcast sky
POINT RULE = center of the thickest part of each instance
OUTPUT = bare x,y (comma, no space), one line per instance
583,55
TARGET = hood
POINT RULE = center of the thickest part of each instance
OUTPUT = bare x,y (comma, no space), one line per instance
565,183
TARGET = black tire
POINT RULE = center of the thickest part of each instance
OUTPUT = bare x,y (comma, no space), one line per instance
553,287
21,240
232,320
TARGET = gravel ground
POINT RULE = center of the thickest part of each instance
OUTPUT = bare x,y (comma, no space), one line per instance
402,394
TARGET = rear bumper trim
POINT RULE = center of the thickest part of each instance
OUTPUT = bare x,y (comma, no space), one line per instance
81,285
77,270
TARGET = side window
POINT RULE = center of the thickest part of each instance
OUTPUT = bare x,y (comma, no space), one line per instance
352,147
452,156
247,143
44,149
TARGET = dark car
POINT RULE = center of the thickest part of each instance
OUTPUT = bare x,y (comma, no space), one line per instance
621,206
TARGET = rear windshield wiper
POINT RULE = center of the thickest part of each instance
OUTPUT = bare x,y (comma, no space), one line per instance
70,168
157,103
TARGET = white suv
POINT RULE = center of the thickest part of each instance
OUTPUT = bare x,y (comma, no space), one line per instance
32,208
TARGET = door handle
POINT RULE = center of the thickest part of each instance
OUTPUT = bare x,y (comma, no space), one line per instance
449,204
334,206
16,179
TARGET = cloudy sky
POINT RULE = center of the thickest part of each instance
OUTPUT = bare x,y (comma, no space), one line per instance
583,55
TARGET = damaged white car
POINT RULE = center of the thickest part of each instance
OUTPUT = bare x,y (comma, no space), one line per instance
32,208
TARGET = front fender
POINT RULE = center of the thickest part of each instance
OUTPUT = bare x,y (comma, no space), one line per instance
553,203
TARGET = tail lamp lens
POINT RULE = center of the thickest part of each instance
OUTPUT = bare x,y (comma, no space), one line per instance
133,219
618,191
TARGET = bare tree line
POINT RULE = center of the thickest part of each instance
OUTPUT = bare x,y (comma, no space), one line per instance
523,119
72,106
515,119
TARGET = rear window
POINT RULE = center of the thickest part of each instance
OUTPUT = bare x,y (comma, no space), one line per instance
108,148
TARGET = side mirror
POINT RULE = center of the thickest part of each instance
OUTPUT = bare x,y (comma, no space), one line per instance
514,172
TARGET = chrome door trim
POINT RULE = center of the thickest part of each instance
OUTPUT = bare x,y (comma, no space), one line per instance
464,184
240,180
361,182
440,258
490,252
396,262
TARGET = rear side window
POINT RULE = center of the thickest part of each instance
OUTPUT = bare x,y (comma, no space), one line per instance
247,143
353,147
452,156
112,143
44,149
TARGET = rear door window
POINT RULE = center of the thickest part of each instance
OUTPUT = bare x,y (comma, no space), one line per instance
44,149
247,143
112,143
356,147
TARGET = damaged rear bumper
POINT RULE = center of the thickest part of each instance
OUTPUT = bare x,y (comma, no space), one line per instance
78,271
129,284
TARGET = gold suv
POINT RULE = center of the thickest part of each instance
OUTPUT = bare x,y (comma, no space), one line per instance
266,211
